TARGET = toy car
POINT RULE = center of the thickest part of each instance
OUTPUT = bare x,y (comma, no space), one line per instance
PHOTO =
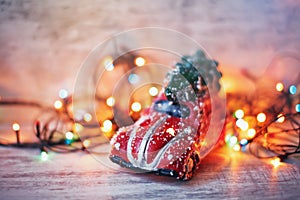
168,136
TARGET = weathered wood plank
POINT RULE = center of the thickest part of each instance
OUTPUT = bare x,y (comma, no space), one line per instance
223,175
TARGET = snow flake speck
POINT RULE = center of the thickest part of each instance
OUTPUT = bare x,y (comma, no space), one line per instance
117,146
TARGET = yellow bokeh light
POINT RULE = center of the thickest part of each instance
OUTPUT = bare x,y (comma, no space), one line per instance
261,117
153,91
110,101
233,140
251,133
239,113
275,162
227,137
236,147
86,143
279,87
77,127
171,131
242,124
15,126
107,126
108,63
87,117
280,118
139,61
136,106
58,104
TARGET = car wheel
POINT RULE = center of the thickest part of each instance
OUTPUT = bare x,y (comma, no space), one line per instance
190,166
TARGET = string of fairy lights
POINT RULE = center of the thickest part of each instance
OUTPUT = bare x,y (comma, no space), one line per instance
265,131
266,126
60,130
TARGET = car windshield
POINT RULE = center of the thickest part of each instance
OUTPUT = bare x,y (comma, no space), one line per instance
170,108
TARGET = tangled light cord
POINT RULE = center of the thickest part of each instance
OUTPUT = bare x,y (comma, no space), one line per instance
267,123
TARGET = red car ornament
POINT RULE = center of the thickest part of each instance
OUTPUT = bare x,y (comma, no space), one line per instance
168,136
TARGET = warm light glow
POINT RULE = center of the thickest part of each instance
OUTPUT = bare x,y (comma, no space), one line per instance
242,124
261,117
279,87
110,101
108,63
293,89
87,117
239,113
139,61
171,131
86,143
233,140
227,137
44,156
15,126
251,133
280,119
136,106
236,147
63,93
77,127
69,135
275,162
58,104
107,126
153,91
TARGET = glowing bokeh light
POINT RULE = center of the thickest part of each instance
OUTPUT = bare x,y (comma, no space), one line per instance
280,118
261,117
69,135
86,143
87,117
233,140
107,126
136,106
153,91
227,138
293,89
108,63
279,87
236,147
44,156
77,127
110,101
244,141
139,61
58,104
239,113
251,133
297,107
275,162
63,93
133,78
242,124
15,126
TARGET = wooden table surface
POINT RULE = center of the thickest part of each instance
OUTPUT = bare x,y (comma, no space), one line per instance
223,175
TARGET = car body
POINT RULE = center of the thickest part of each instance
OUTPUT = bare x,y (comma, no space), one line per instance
166,139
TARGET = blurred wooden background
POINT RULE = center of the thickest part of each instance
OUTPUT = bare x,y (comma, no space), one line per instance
43,43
